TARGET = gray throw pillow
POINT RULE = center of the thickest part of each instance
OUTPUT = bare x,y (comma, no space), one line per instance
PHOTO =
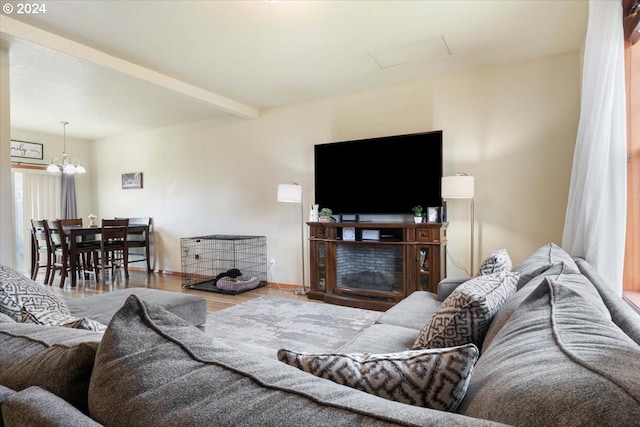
560,271
56,359
557,362
465,315
18,293
496,262
435,378
541,260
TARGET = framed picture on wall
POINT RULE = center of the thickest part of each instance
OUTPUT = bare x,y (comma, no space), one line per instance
27,150
131,180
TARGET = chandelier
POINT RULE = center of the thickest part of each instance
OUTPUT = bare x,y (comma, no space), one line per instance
66,165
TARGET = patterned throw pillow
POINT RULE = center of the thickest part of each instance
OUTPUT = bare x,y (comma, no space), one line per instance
465,315
435,378
18,292
53,318
498,261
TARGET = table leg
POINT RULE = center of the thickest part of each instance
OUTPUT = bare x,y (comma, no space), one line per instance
72,265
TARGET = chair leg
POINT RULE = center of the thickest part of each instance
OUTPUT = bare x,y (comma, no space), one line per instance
63,275
125,260
51,276
34,268
63,272
148,259
48,269
95,264
104,261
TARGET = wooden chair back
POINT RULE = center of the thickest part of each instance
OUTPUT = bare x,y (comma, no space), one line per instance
114,246
72,222
139,241
42,253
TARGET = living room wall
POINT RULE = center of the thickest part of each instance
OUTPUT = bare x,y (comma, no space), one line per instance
513,127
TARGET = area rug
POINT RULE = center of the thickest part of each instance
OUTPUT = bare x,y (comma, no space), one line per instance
287,323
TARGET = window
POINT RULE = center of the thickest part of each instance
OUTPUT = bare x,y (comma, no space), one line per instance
632,248
37,196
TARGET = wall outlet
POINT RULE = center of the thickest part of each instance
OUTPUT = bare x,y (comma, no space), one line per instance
272,262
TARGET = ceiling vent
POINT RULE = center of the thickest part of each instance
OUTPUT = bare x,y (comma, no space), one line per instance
412,53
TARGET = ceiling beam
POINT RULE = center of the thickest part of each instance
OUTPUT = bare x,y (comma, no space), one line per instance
53,41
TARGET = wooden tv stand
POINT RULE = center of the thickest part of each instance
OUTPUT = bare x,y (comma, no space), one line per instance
394,260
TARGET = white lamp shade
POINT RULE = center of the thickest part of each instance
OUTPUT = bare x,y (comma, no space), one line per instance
290,193
457,187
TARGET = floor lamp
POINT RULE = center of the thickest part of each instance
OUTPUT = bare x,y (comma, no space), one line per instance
461,186
292,193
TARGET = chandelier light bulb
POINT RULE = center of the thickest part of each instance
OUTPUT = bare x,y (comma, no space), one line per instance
67,165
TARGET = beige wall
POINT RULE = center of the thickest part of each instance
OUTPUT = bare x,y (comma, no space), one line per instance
513,127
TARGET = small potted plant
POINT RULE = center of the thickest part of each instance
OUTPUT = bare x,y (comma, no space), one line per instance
325,215
417,214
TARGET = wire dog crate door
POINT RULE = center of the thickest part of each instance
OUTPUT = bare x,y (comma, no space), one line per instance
205,258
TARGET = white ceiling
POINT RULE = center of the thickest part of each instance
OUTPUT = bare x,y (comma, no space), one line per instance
124,66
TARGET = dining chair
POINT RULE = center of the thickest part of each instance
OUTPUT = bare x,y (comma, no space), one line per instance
58,260
114,249
85,249
137,240
84,252
42,254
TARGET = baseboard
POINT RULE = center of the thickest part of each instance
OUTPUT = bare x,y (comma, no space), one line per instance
287,286
274,285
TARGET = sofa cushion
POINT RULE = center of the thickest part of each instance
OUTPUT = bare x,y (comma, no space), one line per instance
53,318
5,392
381,338
412,312
465,315
101,308
447,285
433,378
151,360
37,407
560,271
621,312
5,318
557,361
540,261
498,261
57,359
18,293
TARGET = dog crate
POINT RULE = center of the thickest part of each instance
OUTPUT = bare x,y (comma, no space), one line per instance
207,258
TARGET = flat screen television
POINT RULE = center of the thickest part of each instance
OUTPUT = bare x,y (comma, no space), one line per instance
387,175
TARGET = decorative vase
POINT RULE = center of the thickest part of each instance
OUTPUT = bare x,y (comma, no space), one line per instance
92,222
324,218
417,219
313,216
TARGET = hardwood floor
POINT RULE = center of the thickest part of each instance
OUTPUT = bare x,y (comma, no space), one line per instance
173,282
165,282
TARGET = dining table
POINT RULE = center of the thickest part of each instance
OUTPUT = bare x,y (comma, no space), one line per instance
77,235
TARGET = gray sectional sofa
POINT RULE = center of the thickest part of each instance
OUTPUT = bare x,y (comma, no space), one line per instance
560,350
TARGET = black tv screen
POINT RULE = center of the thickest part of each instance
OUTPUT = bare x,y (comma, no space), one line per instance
387,175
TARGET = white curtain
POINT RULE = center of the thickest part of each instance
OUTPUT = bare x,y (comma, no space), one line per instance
37,196
595,222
